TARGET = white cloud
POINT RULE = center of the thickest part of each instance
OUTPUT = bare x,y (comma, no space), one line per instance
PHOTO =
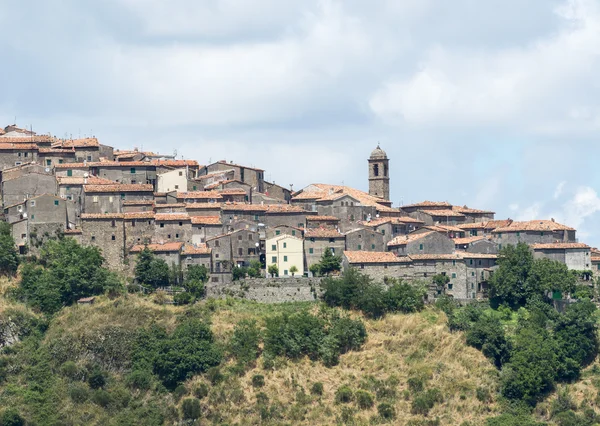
559,189
530,213
584,203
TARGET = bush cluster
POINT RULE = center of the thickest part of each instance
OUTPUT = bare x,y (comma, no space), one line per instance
358,291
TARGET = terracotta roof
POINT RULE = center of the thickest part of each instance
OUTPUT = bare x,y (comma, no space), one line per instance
403,240
171,216
429,204
465,255
595,258
166,247
236,165
200,195
374,257
405,219
138,215
322,233
491,224
77,180
469,226
324,192
104,164
213,174
56,151
206,220
198,249
27,139
322,219
138,203
79,143
101,215
375,222
534,225
467,210
232,191
202,206
445,212
469,240
17,147
454,256
223,182
443,228
169,206
284,208
175,163
121,187
559,246
243,207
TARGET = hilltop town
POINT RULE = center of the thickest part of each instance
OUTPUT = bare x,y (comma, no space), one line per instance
225,215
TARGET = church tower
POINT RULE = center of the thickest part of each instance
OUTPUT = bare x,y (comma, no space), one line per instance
379,177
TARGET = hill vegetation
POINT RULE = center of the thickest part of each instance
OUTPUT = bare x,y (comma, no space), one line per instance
368,354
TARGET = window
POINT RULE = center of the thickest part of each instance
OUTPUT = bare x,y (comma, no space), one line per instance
449,286
351,218
385,266
473,295
277,232
110,199
93,238
542,234
113,223
285,272
470,261
23,235
362,266
48,162
133,223
56,202
274,259
240,252
180,223
453,275
273,247
312,240
194,187
499,235
217,243
19,154
480,262
176,235
472,286
300,225
95,198
113,237
332,240
180,173
215,279
32,203
372,246
293,232
284,245
499,246
60,161
518,234
383,232
285,258
250,237
472,274
176,186
240,237
169,236
255,217
420,246
162,225
332,250
122,196
69,172
454,263
132,170
359,247
311,251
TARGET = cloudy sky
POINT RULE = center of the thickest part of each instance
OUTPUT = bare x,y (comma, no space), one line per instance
494,104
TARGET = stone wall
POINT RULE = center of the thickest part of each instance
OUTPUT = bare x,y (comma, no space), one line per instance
269,290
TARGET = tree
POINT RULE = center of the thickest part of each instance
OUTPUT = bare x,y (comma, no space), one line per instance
293,270
244,343
487,335
197,273
254,269
9,260
273,270
547,275
239,272
329,262
315,269
440,281
509,281
151,270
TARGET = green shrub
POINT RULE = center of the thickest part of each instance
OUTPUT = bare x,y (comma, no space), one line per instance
190,409
317,388
344,395
214,375
258,381
416,384
244,343
562,403
70,370
140,380
364,399
78,393
183,298
11,417
483,395
102,398
201,391
386,411
262,398
179,392
96,378
425,401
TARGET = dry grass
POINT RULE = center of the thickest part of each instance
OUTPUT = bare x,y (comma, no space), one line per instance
403,346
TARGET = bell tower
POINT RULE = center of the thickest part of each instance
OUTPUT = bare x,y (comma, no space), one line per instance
379,174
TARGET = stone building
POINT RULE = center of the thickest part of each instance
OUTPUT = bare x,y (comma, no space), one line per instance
439,217
476,229
173,227
110,198
317,240
125,172
278,230
577,256
203,209
196,254
285,251
479,244
139,228
322,222
426,205
276,191
234,195
285,214
378,265
221,252
194,197
233,212
169,252
86,149
216,177
533,232
15,154
250,175
27,185
379,179
421,243
107,232
72,170
227,187
52,156
245,247
138,206
365,239
205,227
474,215
71,188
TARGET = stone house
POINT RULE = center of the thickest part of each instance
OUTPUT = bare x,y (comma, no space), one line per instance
205,227
366,239
476,229
139,228
448,230
27,185
452,265
173,227
170,208
125,172
439,216
71,188
277,191
262,199
110,198
285,214
15,154
52,156
20,233
86,149
198,254
209,179
233,212
194,197
107,232
378,265
72,170
285,251
229,185
425,205
221,253
476,245
174,180
316,221
234,195
577,256
164,165
474,215
533,232
203,209
317,240
479,268
138,206
250,175
278,230
169,252
245,247
421,243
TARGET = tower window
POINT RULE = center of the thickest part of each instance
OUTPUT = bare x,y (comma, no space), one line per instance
375,169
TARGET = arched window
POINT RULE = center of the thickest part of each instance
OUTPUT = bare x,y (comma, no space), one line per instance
375,169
